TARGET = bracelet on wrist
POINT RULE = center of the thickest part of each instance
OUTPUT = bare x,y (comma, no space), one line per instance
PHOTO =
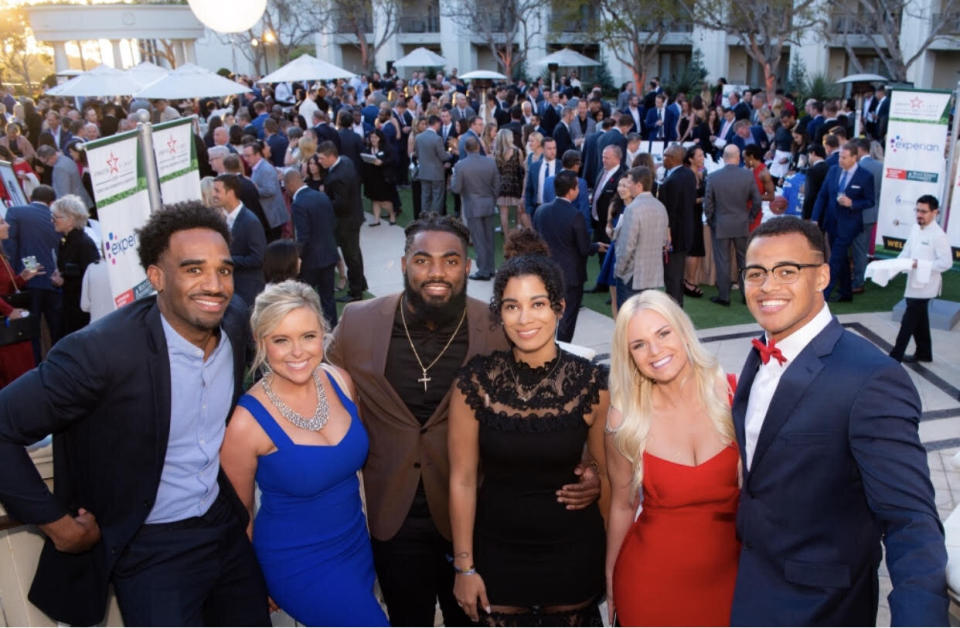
472,570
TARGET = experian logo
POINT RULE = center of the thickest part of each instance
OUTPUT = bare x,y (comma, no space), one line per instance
898,144
116,246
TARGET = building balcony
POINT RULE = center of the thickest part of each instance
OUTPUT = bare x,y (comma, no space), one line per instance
419,24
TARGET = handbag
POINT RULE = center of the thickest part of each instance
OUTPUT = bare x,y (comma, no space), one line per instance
14,330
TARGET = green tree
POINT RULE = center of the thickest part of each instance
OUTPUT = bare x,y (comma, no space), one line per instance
764,28
689,80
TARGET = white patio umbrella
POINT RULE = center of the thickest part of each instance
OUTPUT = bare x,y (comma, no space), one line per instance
146,72
191,81
100,81
306,68
483,74
420,58
564,58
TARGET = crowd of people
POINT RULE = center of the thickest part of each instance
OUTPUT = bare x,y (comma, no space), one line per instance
449,450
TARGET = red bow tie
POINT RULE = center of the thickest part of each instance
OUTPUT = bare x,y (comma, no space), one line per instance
768,351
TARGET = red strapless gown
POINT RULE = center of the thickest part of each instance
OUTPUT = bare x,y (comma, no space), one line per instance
678,563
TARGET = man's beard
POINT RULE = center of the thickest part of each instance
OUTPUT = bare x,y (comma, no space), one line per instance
436,313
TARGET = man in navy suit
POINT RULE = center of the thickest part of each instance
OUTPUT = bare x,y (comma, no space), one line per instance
844,195
138,402
32,235
826,425
247,238
563,228
562,131
661,122
547,166
315,227
617,136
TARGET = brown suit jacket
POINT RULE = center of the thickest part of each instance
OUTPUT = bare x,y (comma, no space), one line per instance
401,450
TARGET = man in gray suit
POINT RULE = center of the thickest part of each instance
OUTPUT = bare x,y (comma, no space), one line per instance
725,204
461,111
476,179
583,124
65,176
861,244
265,177
431,156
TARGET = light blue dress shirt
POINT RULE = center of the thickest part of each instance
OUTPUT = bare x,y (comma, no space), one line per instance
201,395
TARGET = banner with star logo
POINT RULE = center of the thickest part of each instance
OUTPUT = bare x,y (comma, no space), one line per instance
914,163
118,175
177,164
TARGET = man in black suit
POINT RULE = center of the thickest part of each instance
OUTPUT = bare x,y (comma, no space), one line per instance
678,193
342,184
741,110
351,144
315,226
248,241
816,173
561,132
516,125
138,402
604,190
564,230
325,132
249,195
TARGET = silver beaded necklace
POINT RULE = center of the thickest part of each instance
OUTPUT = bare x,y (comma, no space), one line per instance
320,415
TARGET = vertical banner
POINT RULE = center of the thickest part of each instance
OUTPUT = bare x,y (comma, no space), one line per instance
120,190
914,160
952,215
177,164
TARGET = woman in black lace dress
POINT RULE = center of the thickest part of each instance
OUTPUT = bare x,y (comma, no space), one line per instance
525,415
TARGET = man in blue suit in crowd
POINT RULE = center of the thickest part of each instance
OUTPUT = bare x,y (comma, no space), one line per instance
832,460
661,122
32,235
844,195
571,162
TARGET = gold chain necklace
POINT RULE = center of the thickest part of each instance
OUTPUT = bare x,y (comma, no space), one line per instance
426,379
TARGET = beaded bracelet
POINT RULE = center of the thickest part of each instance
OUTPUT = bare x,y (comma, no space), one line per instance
466,572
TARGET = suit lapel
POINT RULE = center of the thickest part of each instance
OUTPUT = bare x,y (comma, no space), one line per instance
793,387
741,396
158,362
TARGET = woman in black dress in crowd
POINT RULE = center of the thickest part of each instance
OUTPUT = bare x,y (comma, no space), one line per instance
694,159
314,173
380,177
76,252
526,416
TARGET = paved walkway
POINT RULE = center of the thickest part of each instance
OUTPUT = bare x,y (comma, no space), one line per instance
937,382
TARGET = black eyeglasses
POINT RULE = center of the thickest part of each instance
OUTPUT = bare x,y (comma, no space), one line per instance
785,272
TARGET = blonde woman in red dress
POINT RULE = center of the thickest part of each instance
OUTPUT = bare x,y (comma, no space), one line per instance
670,451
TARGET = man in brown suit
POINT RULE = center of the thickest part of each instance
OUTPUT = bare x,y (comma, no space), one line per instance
403,352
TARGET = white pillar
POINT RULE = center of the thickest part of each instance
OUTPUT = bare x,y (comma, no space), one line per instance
60,62
914,29
716,52
454,42
190,50
117,59
391,49
813,52
178,52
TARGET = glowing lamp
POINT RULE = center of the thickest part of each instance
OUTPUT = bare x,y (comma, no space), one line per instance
235,17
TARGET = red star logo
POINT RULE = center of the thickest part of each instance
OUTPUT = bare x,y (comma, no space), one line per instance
916,102
114,163
172,145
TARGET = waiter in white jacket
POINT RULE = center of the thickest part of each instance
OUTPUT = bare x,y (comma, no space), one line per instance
929,249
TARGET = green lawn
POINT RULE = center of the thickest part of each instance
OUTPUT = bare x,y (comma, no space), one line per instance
706,314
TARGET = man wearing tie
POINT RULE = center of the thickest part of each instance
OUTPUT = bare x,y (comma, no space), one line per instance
540,171
832,461
661,125
847,191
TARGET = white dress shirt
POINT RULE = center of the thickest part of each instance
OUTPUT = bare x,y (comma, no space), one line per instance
232,215
768,377
931,248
